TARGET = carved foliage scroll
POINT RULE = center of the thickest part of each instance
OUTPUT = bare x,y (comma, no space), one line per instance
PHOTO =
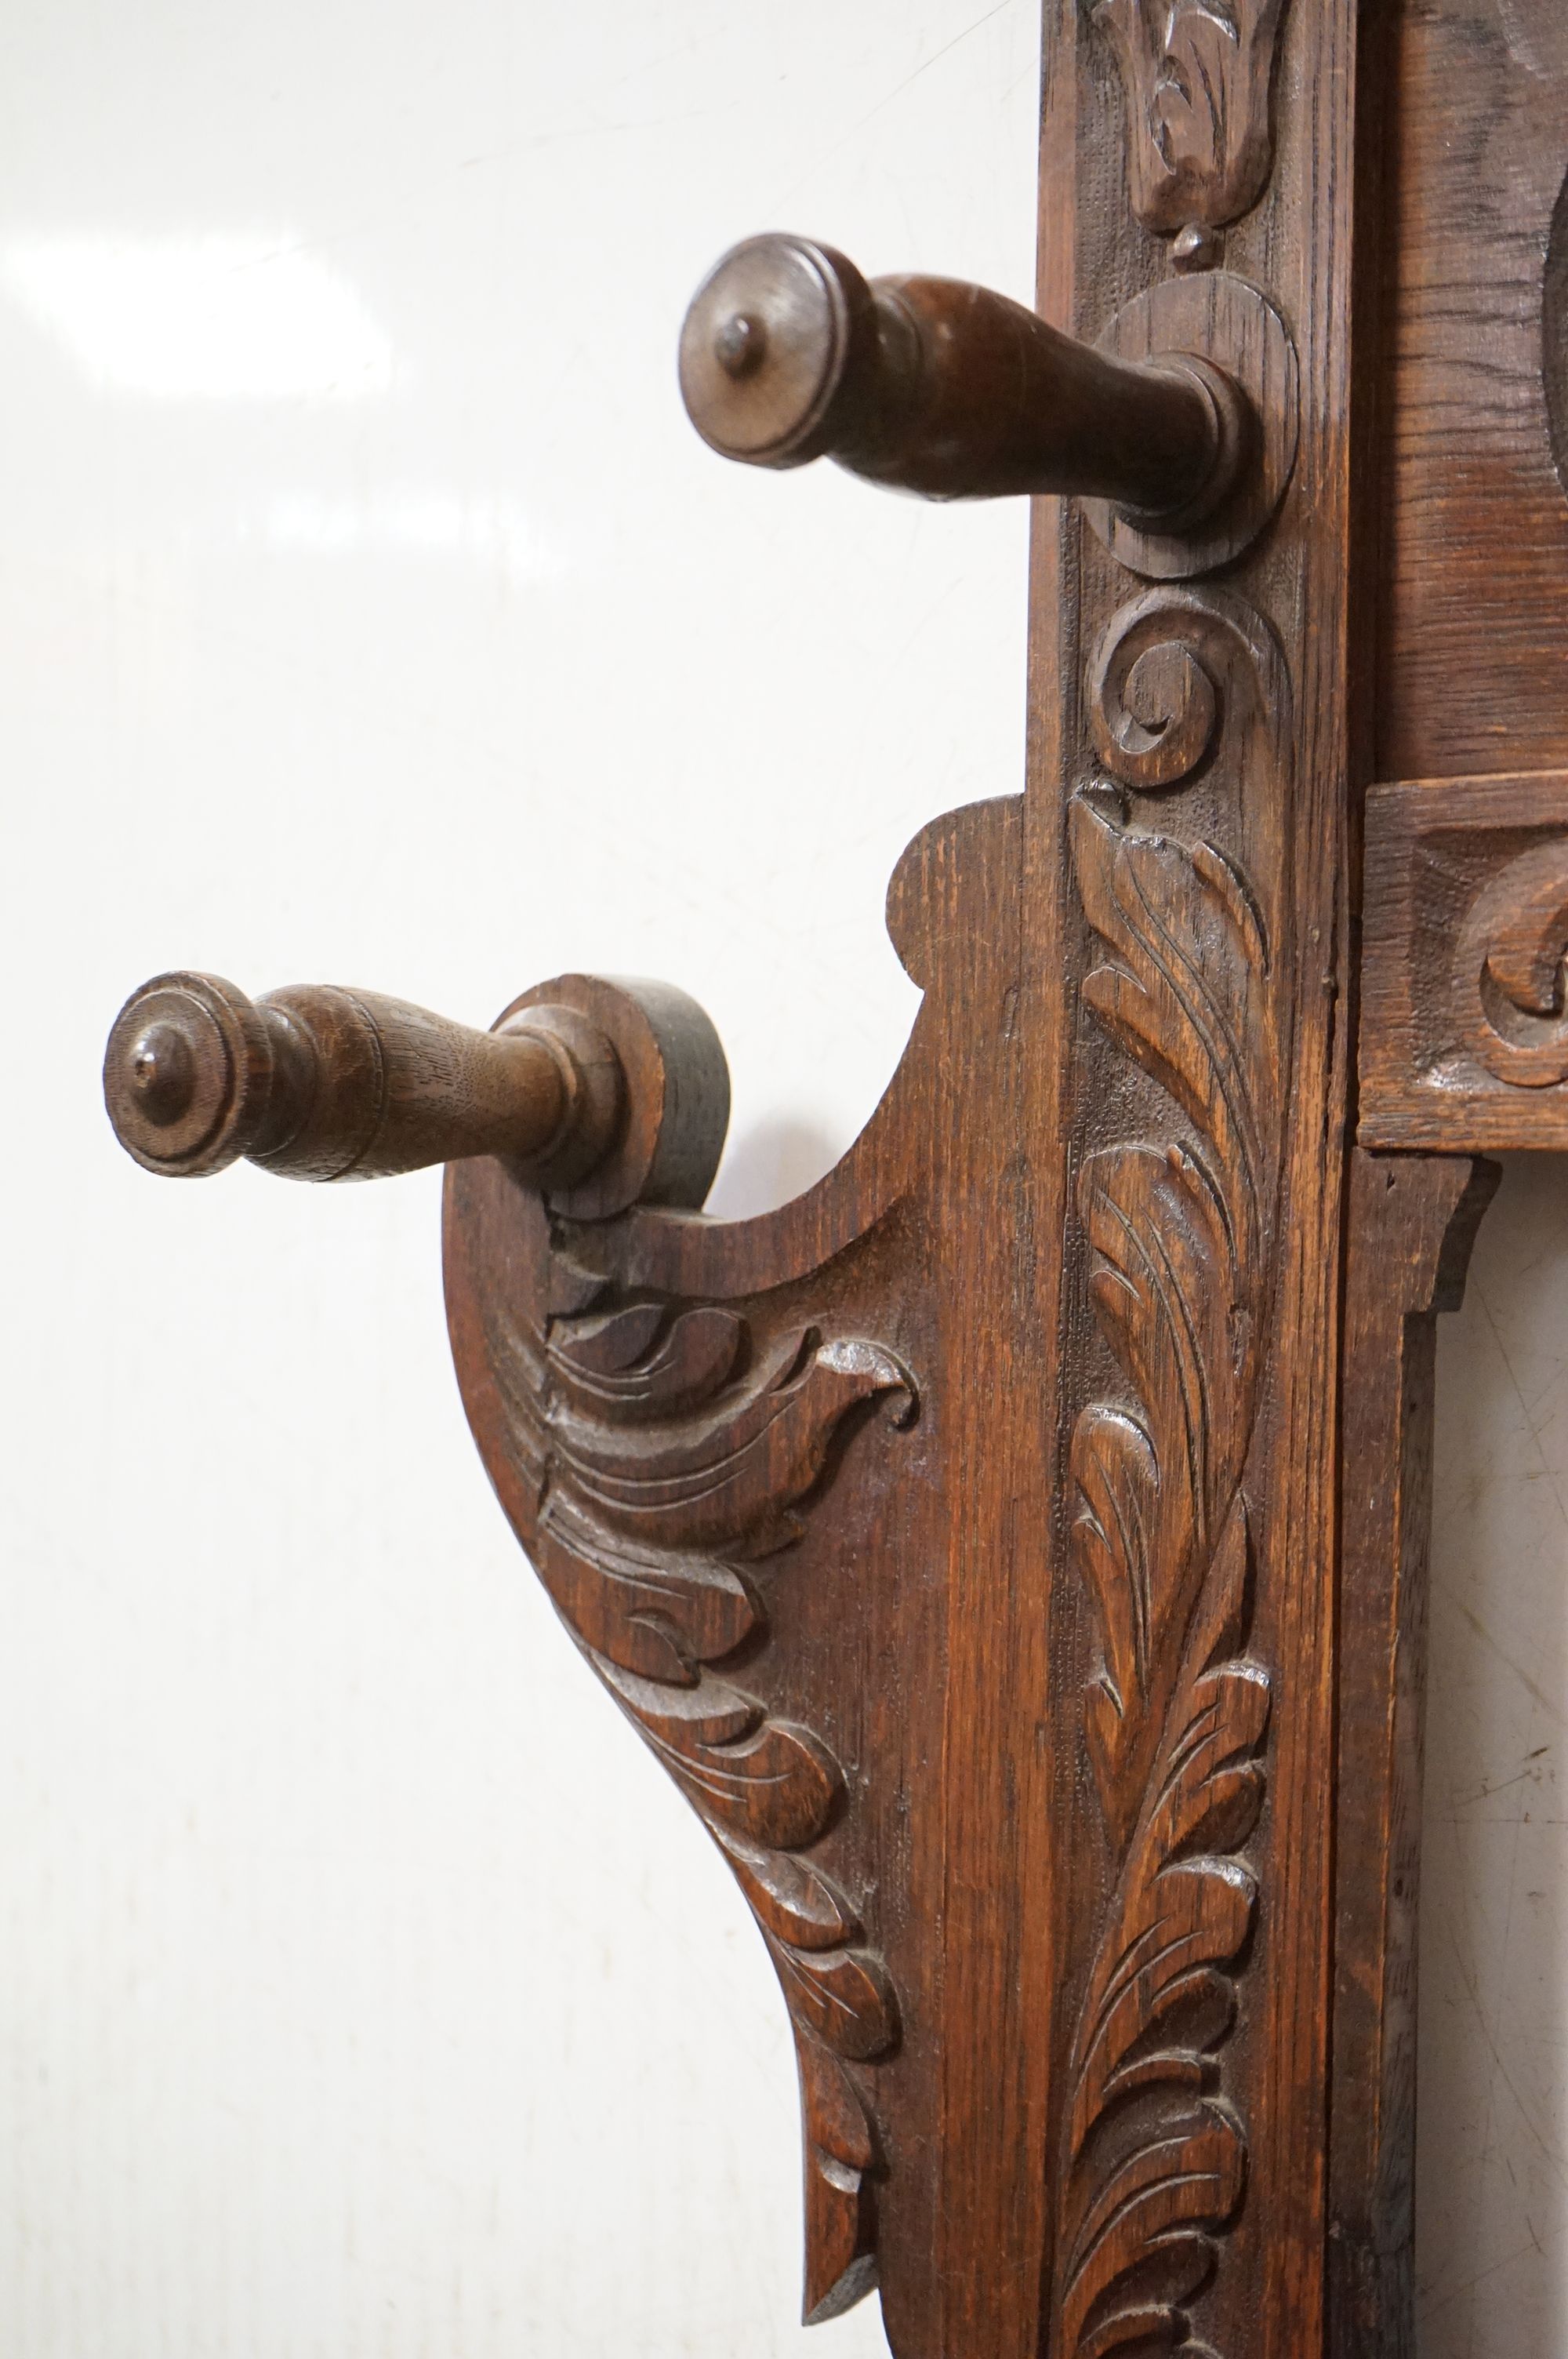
1193,986
1197,76
668,1448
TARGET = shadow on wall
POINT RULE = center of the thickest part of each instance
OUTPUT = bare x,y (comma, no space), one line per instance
1492,2162
768,1165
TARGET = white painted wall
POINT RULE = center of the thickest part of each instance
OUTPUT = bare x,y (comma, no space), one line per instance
369,612
1492,2240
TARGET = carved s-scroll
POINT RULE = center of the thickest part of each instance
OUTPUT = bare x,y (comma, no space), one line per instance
1197,76
666,1448
1183,1229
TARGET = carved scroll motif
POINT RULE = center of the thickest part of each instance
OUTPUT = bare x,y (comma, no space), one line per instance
1197,76
1183,1230
1511,971
668,1449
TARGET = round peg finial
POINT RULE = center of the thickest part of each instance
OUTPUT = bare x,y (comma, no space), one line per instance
186,1074
773,349
739,344
162,1073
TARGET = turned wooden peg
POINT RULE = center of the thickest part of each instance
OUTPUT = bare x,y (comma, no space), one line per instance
315,1082
941,388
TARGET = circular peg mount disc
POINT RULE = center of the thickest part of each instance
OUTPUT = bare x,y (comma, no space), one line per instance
674,1101
1215,317
186,1075
770,348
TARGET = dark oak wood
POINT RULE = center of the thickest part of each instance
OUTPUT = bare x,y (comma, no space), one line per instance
1476,380
936,386
1464,1025
1091,1706
1014,1547
1413,1221
316,1082
1199,130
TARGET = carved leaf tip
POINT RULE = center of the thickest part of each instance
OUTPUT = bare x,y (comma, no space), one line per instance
879,1371
1152,2217
844,1996
1196,76
840,2158
789,1897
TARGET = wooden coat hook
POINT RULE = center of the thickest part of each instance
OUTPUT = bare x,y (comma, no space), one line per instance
1178,426
602,1094
1014,1547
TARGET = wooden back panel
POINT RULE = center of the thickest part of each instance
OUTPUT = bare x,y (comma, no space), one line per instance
1474,662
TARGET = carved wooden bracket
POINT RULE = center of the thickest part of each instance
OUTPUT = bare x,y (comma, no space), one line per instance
1013,1548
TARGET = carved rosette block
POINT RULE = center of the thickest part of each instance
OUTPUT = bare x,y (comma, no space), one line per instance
1197,76
1181,1226
1464,995
649,1453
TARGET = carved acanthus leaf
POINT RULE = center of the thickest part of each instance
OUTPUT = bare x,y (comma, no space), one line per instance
665,1448
1197,76
1182,1232
1177,1234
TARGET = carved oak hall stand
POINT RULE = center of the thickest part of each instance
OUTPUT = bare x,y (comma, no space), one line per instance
1015,1546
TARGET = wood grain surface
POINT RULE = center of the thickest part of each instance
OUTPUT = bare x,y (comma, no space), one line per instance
1411,1222
1475,516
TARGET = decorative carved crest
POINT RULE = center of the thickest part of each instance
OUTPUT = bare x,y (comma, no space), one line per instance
1182,1230
1197,75
666,1448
